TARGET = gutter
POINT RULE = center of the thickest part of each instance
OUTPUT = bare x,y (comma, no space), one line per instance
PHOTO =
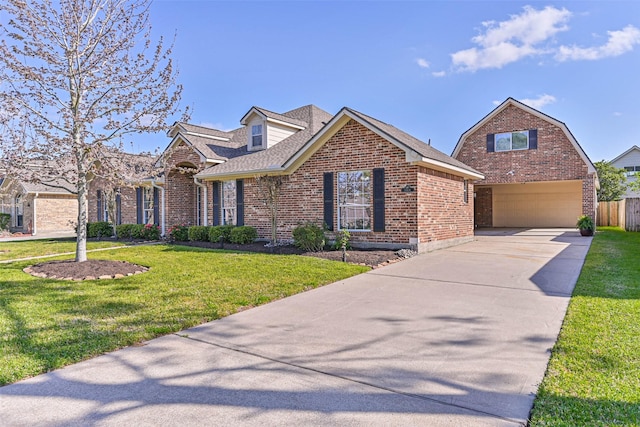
162,210
204,199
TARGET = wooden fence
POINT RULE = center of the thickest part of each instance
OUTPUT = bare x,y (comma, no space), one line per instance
622,213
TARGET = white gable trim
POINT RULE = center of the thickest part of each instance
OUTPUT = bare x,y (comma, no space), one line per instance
245,119
510,101
180,138
630,150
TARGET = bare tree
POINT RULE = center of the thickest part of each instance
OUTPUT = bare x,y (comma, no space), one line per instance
76,76
270,187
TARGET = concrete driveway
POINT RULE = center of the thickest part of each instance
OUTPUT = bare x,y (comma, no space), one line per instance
455,337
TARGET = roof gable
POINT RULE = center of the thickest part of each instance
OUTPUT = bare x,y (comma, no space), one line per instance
270,116
631,150
517,104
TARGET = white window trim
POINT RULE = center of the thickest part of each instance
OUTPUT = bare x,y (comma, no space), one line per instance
261,134
355,205
511,141
148,209
231,206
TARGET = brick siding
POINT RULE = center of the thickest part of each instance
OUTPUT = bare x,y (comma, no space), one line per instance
555,159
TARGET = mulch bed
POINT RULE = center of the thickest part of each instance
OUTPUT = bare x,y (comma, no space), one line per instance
88,270
103,269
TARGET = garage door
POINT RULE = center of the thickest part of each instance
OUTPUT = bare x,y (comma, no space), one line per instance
556,204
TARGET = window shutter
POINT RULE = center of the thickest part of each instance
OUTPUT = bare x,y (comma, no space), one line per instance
240,202
533,139
100,211
118,209
328,200
139,205
156,206
490,143
216,202
378,199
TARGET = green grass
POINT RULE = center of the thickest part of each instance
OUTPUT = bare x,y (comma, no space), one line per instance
28,248
593,377
46,324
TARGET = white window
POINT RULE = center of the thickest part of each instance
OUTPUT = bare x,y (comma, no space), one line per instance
198,205
512,141
148,206
631,170
229,200
256,136
465,197
354,201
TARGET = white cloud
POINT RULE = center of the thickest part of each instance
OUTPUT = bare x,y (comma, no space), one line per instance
422,63
509,41
540,101
617,114
619,42
439,73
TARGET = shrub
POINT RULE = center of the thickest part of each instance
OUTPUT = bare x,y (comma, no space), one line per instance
123,231
5,219
309,237
198,233
179,233
243,235
136,231
218,231
99,229
342,240
150,232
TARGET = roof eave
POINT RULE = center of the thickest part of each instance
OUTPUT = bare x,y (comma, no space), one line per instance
445,167
240,174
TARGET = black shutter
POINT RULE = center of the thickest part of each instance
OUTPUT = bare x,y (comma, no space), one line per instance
378,199
156,206
216,202
100,211
118,209
328,200
533,139
240,202
490,143
139,205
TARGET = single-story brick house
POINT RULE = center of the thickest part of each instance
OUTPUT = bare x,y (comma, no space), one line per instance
38,208
344,171
535,172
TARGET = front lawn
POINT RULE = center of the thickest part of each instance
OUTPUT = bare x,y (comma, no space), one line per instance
46,324
593,377
30,248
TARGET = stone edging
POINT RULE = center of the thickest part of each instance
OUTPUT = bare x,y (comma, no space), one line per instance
28,270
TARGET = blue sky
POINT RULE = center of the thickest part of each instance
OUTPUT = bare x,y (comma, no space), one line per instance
430,68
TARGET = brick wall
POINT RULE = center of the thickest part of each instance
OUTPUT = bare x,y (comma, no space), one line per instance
442,214
56,213
128,203
554,159
180,190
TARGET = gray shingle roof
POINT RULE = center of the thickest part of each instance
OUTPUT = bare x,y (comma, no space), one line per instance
411,142
314,118
283,117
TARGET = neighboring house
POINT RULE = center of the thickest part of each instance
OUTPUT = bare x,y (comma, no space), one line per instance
346,172
536,173
38,208
136,201
630,161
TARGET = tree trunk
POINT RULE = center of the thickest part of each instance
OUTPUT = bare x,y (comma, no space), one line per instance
83,208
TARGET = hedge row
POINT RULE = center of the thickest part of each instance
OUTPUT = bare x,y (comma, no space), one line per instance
124,231
241,235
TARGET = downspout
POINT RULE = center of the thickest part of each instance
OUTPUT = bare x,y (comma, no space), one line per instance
204,200
35,214
163,227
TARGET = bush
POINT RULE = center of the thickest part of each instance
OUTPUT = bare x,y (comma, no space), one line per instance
179,233
243,235
123,231
309,237
136,231
342,240
99,229
5,219
150,232
198,233
218,231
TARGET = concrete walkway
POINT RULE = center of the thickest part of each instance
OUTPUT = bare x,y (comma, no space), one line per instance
455,337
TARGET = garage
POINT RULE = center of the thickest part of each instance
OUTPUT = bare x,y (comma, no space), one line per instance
550,204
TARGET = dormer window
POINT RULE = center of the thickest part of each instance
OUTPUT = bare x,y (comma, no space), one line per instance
256,136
